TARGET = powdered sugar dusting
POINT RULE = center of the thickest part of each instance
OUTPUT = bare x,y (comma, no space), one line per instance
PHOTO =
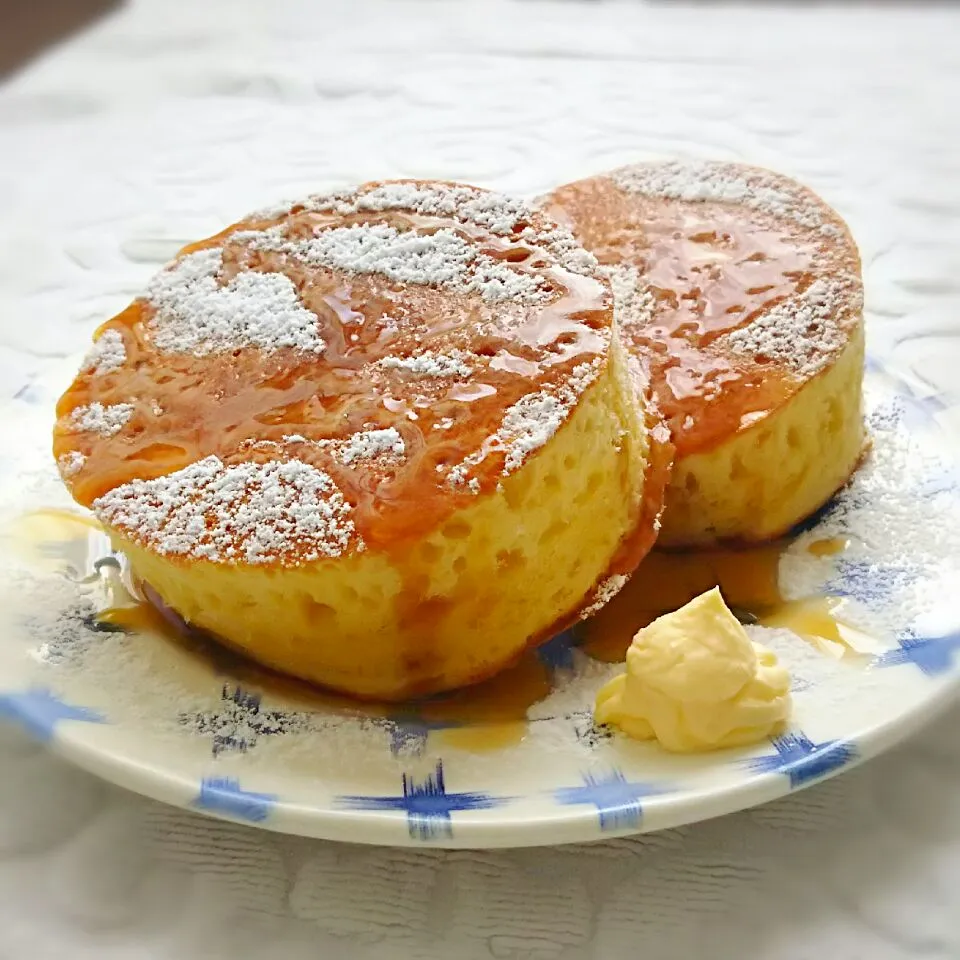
804,334
71,463
97,418
106,355
237,294
633,303
250,512
431,364
496,212
363,445
576,690
441,258
500,214
529,424
370,444
808,666
693,181
196,315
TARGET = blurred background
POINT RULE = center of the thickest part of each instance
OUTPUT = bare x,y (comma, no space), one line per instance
29,28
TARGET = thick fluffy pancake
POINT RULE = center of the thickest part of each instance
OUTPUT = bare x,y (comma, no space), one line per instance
380,439
741,292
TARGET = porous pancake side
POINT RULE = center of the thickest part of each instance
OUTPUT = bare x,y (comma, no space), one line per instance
462,602
769,477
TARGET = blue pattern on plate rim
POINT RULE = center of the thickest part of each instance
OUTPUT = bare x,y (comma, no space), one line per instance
239,722
224,795
803,760
933,655
617,799
39,711
427,805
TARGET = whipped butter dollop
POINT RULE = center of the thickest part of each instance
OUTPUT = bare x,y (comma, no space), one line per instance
696,681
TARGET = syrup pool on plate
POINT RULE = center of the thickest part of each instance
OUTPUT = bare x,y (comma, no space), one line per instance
491,715
750,582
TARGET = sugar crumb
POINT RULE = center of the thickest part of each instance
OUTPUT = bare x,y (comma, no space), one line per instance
531,422
71,463
604,593
431,364
106,355
97,418
633,303
368,444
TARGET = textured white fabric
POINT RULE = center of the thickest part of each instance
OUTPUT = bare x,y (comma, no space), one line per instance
172,117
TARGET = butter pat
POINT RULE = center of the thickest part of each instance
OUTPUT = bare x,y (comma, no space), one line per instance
695,681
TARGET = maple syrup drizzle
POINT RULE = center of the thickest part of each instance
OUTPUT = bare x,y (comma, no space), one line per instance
711,268
187,408
491,715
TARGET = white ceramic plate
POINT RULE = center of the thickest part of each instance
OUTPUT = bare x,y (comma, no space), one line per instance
197,728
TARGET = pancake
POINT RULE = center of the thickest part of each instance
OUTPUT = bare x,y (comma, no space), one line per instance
740,291
380,439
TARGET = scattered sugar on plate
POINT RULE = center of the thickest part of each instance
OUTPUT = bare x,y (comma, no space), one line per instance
195,314
575,691
97,418
808,666
106,355
252,512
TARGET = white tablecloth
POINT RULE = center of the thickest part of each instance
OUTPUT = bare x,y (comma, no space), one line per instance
171,118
